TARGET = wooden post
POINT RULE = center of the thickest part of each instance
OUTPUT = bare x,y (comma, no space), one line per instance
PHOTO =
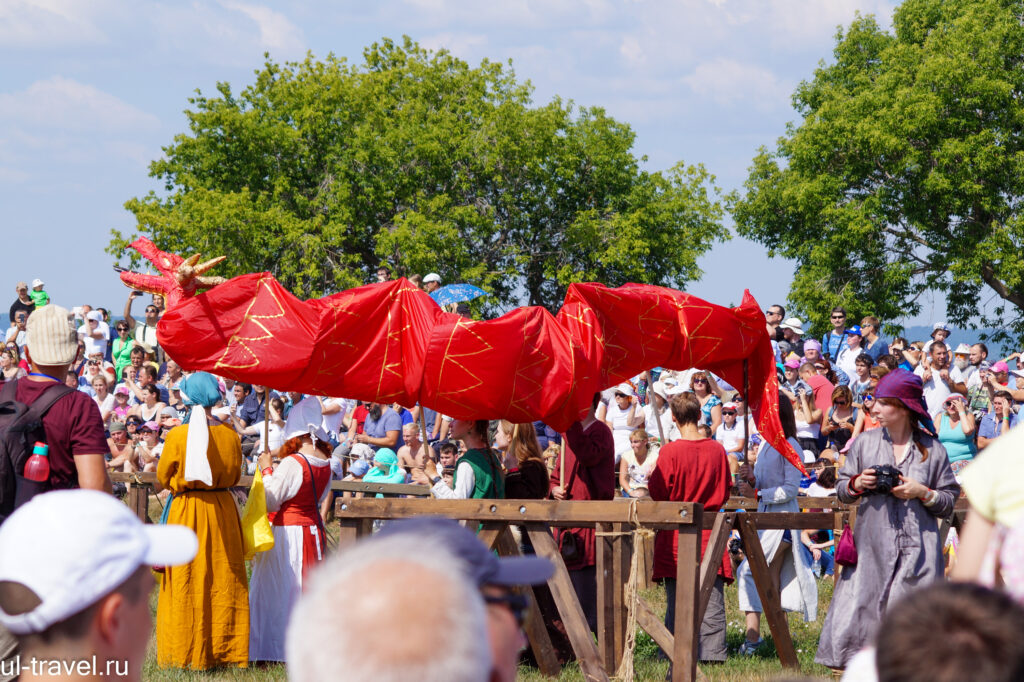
423,435
766,589
746,410
687,627
353,529
606,586
138,500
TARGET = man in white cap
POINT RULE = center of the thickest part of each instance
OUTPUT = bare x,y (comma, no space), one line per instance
962,368
75,581
793,337
432,282
72,426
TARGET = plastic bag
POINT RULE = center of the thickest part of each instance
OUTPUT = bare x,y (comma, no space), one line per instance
257,534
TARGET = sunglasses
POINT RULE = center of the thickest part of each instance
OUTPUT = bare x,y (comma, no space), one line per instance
728,411
699,380
839,317
122,329
867,397
840,403
518,604
152,310
621,395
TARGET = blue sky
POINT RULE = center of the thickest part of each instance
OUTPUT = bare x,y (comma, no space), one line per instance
91,90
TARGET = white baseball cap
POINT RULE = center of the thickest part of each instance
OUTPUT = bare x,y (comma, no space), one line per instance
626,389
432,277
73,547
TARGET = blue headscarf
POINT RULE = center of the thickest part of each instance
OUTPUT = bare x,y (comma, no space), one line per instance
393,474
201,391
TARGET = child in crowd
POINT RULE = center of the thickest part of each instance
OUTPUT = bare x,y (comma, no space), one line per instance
39,297
121,406
149,446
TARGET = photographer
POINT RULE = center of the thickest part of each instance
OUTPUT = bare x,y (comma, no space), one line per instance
903,474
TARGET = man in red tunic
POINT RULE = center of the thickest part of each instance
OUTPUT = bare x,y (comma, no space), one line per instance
590,475
692,469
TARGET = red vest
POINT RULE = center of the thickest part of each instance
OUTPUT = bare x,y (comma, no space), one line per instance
304,508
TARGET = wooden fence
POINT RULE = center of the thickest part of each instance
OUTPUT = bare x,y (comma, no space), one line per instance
616,522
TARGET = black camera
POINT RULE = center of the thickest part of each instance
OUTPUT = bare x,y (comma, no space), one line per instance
735,546
887,477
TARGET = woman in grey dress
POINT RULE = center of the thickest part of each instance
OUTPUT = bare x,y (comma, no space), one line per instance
897,533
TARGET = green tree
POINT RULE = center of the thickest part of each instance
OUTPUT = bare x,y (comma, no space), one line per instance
906,172
320,171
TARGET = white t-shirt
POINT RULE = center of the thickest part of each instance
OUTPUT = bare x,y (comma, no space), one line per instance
731,439
620,428
651,424
276,434
18,336
935,390
332,422
962,376
93,345
847,360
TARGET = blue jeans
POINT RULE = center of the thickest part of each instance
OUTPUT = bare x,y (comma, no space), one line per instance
824,566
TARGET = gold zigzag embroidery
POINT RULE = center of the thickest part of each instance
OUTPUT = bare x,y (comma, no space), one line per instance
450,357
255,319
694,336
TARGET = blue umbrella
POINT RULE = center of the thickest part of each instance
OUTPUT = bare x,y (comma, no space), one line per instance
456,293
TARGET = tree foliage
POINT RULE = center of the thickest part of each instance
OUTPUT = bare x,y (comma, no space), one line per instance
906,172
320,171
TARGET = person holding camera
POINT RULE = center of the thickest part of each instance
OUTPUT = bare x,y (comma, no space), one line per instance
902,476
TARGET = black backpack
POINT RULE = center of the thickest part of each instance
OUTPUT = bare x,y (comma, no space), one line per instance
20,426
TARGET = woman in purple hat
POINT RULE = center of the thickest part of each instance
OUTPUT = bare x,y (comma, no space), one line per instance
897,533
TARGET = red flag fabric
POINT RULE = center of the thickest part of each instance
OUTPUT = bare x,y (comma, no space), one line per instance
389,342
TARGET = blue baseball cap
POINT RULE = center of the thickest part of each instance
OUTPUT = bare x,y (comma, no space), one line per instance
359,467
854,331
482,564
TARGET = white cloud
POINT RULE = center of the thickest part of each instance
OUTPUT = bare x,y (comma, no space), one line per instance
277,34
729,82
65,104
468,46
49,23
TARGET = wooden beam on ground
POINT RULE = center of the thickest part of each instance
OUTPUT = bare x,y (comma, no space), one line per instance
576,514
712,559
770,599
534,627
687,627
568,604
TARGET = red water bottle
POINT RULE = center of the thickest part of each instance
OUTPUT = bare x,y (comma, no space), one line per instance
37,468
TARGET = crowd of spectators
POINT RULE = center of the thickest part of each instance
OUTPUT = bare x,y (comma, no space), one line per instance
634,435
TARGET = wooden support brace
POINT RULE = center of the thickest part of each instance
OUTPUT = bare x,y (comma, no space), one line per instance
138,500
712,559
568,604
766,589
533,626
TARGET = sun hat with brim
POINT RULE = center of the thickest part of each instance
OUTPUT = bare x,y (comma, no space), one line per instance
306,419
626,389
38,282
481,564
93,545
51,340
659,388
793,324
962,349
906,387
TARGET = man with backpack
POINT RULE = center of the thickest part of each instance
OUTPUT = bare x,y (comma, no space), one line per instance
71,424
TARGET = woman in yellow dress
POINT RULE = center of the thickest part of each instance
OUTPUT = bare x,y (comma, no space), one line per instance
203,613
